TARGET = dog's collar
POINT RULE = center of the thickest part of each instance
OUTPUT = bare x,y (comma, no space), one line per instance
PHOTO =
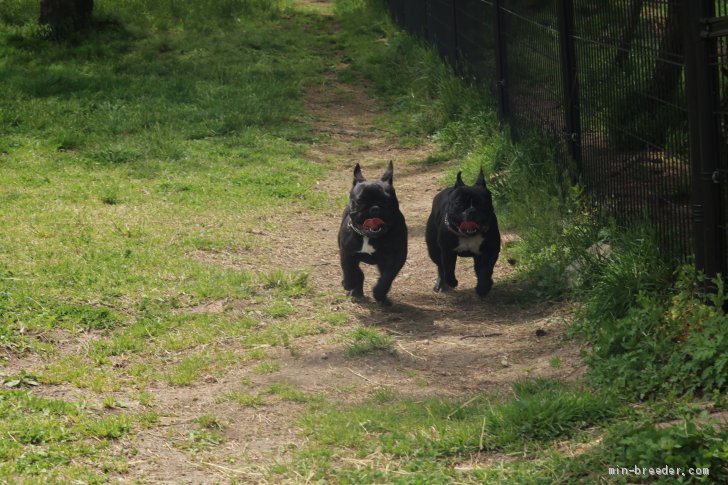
457,231
351,226
355,229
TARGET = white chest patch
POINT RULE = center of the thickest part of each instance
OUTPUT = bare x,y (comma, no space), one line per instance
469,244
366,247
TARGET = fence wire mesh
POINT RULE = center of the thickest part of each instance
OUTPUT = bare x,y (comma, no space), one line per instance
607,79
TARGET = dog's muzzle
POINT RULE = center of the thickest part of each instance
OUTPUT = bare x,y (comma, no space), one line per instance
371,227
466,228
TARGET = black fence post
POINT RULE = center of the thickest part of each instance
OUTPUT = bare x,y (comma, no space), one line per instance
570,79
701,77
455,43
450,38
500,63
415,15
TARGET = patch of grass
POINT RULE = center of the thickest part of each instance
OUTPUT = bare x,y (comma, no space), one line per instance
55,440
424,439
336,319
280,309
188,369
287,283
267,367
633,444
148,419
81,373
423,93
209,421
244,399
202,440
290,394
153,117
365,340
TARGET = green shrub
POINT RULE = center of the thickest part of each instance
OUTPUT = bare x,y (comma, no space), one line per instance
629,445
675,343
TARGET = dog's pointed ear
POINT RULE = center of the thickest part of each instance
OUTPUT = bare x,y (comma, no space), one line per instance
358,177
459,180
481,179
389,174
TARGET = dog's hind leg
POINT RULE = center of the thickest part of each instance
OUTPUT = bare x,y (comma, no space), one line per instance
353,281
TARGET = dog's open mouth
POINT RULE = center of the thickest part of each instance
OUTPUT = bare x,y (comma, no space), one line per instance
469,227
372,225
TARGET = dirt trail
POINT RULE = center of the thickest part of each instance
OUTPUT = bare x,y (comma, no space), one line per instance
446,344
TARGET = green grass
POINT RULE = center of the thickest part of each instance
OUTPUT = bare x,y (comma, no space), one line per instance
546,432
55,439
130,150
135,159
365,340
424,440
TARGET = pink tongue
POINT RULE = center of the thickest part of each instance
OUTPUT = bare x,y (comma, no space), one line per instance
373,223
469,226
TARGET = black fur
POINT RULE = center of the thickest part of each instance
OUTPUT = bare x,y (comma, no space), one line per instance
445,240
369,200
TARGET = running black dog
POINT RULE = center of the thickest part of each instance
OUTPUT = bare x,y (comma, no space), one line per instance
373,231
463,223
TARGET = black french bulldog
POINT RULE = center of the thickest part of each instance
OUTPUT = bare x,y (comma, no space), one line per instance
463,223
373,231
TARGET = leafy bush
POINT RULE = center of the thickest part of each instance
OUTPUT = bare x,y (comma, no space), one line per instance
629,445
675,344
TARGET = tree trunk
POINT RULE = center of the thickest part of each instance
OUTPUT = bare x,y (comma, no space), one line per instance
66,15
668,66
625,43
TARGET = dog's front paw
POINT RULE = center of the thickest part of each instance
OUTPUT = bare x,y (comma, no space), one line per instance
380,297
385,302
356,293
441,286
482,289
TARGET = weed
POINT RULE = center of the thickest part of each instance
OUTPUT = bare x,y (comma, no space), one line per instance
288,284
280,309
209,421
366,340
288,393
244,399
267,367
188,369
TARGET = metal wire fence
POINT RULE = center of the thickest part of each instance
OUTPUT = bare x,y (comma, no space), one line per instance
635,92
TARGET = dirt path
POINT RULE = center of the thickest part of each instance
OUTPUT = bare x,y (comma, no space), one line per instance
446,344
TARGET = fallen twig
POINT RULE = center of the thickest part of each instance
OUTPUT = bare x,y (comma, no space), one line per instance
495,334
410,353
